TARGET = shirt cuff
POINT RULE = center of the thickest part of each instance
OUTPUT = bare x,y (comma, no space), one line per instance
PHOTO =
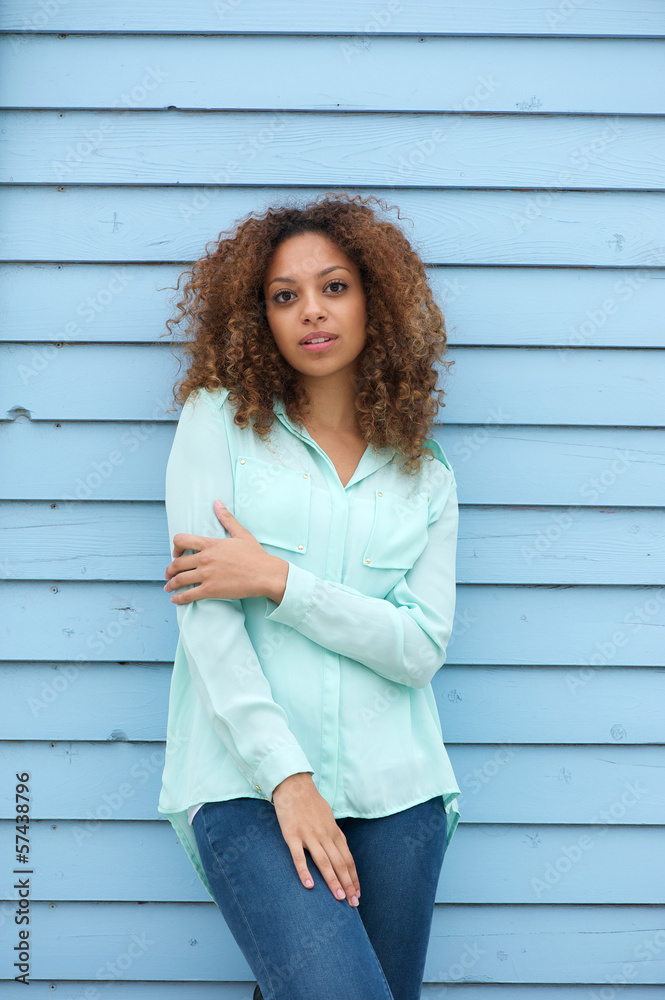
297,600
277,766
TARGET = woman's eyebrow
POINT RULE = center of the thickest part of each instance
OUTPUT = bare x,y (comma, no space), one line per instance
335,267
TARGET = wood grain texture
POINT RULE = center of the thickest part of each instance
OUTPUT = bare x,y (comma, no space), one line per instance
362,17
457,227
508,783
501,625
492,306
495,74
514,943
489,863
93,540
509,385
493,463
43,990
496,704
333,149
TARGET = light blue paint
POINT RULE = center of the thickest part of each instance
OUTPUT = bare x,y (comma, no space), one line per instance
540,307
106,701
369,149
360,17
509,863
609,935
485,385
494,464
106,781
130,621
353,73
551,699
458,227
554,545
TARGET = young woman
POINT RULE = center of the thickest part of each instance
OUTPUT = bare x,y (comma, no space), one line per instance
314,525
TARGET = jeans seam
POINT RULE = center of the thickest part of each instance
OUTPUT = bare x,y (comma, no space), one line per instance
240,909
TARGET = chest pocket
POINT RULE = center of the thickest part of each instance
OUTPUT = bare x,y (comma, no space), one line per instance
273,502
399,531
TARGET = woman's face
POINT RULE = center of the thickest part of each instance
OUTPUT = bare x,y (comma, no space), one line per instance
314,292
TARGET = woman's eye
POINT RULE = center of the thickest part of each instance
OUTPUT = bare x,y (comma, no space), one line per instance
340,285
285,291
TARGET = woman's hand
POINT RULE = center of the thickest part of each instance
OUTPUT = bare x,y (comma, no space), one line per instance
306,821
230,568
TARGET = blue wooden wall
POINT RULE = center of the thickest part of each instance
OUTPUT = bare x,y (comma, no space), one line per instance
524,143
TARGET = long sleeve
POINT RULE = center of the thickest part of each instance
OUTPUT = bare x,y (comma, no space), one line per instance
403,636
224,667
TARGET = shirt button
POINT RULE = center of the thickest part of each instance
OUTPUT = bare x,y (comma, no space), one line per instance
305,476
368,561
257,786
242,461
379,494
300,548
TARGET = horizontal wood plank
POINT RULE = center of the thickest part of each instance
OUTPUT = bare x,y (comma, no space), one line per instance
503,625
544,944
43,990
504,385
459,227
543,307
93,540
332,149
445,73
493,464
488,864
523,704
578,626
573,545
421,17
595,785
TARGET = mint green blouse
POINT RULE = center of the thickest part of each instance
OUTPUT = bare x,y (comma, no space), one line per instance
335,679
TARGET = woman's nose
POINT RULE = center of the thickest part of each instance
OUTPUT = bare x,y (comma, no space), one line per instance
313,309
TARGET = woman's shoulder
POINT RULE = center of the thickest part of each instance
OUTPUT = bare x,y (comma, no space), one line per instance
204,411
438,452
437,471
215,399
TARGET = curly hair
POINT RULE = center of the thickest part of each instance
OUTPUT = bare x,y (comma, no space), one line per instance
231,346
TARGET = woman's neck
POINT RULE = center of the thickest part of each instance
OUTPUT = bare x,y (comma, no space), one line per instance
332,402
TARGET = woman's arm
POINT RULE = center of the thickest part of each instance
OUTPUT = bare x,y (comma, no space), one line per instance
403,636
224,666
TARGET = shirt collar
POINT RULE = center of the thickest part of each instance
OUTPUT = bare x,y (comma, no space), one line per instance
370,462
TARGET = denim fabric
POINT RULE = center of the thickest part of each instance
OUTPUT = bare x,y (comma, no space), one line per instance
303,944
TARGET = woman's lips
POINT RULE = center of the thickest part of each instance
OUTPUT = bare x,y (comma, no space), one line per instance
309,346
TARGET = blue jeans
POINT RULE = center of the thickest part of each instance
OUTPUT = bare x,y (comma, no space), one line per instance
304,944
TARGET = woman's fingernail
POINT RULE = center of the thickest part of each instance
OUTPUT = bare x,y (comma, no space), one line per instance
220,503
166,586
354,900
340,894
309,883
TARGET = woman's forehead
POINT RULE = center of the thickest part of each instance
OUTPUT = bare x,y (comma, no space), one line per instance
307,254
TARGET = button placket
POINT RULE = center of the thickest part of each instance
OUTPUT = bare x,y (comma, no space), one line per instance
331,679
367,560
